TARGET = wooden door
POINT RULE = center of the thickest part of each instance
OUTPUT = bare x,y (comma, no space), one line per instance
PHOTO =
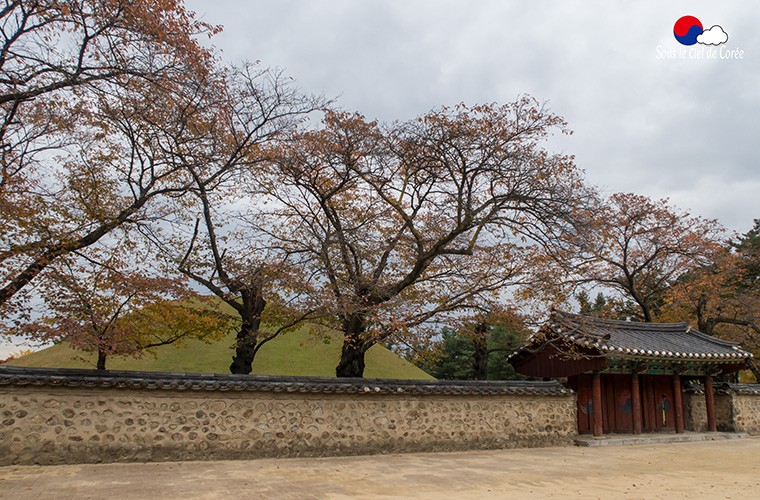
617,409
657,405
581,384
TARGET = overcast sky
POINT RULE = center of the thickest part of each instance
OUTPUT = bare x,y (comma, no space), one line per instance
682,128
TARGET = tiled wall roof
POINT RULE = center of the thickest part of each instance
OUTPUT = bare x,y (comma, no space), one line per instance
18,376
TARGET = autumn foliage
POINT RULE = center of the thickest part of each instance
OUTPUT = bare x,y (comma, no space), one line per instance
641,247
722,298
83,85
407,222
135,166
109,309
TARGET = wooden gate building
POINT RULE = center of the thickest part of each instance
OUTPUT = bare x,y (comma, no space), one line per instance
632,371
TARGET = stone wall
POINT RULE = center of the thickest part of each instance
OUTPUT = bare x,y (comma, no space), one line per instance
746,408
737,408
695,411
77,416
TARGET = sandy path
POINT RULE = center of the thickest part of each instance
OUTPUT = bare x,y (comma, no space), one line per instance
718,469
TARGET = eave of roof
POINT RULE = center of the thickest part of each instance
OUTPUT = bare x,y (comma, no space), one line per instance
626,339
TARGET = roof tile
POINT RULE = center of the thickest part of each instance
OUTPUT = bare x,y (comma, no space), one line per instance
673,340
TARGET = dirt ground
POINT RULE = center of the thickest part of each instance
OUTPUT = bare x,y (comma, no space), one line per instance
716,469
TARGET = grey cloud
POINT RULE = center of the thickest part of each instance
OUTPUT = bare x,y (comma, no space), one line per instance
679,128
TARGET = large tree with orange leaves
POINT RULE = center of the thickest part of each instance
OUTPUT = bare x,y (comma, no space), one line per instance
87,90
641,247
218,245
722,298
403,223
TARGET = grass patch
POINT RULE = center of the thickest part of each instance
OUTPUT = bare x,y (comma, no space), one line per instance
293,353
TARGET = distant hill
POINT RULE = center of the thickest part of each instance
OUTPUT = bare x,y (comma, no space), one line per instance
294,353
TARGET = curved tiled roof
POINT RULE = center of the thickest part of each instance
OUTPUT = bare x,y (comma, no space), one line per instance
650,340
19,376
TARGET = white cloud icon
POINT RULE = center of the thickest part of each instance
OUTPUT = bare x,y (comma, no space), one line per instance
713,36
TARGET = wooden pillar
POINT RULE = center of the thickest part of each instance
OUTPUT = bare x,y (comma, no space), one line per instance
710,403
678,403
636,403
596,389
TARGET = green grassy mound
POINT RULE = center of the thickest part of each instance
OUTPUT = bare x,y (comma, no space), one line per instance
294,353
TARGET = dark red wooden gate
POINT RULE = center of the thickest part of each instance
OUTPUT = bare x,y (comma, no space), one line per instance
657,408
617,407
581,384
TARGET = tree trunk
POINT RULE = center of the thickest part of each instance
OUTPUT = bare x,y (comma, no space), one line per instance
101,360
481,352
354,347
647,312
481,363
245,349
702,321
247,337
754,367
351,360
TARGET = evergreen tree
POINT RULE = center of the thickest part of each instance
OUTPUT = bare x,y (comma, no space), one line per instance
748,247
478,353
